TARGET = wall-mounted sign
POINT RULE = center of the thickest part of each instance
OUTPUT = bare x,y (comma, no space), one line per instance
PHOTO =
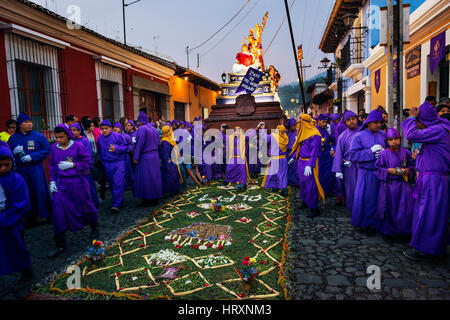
412,62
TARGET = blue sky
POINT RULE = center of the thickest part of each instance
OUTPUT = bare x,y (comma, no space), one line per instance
171,25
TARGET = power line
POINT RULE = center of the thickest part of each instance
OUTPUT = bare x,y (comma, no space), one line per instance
229,21
279,28
230,30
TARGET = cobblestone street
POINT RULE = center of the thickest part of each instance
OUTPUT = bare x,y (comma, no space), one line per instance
329,260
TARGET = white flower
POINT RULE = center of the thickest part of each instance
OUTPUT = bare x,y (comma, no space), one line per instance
265,241
188,281
175,243
203,248
228,243
134,278
167,238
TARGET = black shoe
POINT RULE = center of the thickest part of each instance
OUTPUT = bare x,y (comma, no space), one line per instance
115,210
417,255
55,252
303,205
94,231
27,274
370,232
388,239
284,193
313,213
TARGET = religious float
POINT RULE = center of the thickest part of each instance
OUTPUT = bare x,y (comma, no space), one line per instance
240,106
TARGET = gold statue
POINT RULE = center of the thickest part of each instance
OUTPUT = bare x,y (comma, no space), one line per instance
255,44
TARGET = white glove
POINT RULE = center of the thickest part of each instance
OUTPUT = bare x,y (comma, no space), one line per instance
291,161
308,171
348,163
64,165
133,139
18,149
339,175
26,158
53,187
189,139
376,148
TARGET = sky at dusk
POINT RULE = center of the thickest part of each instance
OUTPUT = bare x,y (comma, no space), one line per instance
168,26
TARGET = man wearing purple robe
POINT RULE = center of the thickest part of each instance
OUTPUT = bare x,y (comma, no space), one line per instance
14,205
306,149
78,133
292,162
365,149
147,175
275,177
112,150
73,208
395,169
326,178
128,158
170,170
236,163
334,121
346,172
431,193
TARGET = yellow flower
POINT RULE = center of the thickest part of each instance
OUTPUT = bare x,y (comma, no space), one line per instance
238,182
93,242
223,208
213,201
252,260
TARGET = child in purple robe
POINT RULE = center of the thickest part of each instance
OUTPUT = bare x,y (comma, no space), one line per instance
431,192
364,151
292,162
73,208
346,172
395,169
112,150
275,177
306,149
147,175
14,205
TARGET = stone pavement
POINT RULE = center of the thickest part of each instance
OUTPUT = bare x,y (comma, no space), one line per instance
39,241
329,260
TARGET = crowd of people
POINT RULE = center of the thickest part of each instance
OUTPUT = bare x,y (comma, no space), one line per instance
392,186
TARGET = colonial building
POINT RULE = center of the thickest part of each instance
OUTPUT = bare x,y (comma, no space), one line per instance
51,68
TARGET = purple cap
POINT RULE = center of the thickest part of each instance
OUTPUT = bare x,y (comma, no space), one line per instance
374,115
174,121
6,151
143,118
392,133
106,122
22,118
291,122
78,126
67,130
323,116
428,115
118,125
347,115
335,116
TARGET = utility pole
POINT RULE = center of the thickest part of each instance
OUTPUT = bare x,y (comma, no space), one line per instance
302,90
390,73
124,23
399,64
187,55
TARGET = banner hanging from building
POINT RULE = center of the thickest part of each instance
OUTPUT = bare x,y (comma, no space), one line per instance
250,82
412,62
437,51
377,79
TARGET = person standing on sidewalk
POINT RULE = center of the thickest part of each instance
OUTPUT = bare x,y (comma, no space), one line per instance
431,193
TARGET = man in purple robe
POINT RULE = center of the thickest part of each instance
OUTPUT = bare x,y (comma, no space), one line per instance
128,158
14,205
306,149
395,169
237,171
292,162
112,150
431,193
275,177
147,175
334,121
170,169
73,208
365,149
327,179
346,172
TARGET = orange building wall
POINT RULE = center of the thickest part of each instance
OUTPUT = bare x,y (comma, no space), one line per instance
380,97
412,92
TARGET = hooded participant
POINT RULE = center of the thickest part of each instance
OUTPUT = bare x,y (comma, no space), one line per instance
365,149
306,150
327,180
236,171
14,206
292,162
30,149
431,193
170,162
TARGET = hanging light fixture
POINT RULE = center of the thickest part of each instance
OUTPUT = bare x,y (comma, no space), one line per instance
224,77
348,19
325,62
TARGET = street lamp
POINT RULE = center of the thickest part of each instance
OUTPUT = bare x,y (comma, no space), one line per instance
325,61
124,5
348,19
224,77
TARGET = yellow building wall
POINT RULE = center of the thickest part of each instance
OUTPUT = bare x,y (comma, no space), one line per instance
378,98
412,92
182,90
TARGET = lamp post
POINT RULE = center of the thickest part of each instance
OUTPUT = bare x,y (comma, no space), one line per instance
325,61
124,5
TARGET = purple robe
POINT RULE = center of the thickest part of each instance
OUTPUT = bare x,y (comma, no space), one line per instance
87,144
309,151
293,167
147,175
14,255
326,178
340,128
169,170
277,179
114,164
365,201
395,205
350,173
236,167
73,208
431,192
204,168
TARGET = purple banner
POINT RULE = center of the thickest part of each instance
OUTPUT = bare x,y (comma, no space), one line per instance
437,51
377,79
250,82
